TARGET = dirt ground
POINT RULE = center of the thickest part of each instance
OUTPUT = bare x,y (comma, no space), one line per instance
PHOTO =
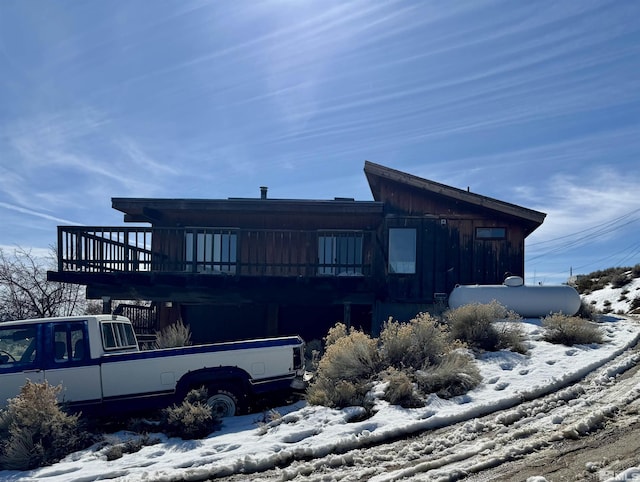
596,457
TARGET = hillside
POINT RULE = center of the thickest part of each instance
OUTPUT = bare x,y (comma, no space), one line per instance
614,290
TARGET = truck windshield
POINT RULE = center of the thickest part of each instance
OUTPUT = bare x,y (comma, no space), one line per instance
17,345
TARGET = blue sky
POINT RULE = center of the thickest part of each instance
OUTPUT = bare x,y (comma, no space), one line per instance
535,103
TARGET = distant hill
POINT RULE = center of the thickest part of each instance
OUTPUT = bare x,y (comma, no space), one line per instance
613,290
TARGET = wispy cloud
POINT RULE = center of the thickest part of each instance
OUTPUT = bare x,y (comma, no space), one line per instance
591,220
141,160
38,214
573,203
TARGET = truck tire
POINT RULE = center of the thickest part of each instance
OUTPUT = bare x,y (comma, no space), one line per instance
224,401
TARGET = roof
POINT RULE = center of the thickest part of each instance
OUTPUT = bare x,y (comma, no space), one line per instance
146,209
375,173
149,209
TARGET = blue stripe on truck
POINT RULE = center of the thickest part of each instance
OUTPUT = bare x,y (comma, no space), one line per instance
212,348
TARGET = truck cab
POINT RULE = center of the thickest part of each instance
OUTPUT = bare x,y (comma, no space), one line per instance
62,351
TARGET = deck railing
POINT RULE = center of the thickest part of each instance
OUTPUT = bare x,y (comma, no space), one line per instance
145,319
206,250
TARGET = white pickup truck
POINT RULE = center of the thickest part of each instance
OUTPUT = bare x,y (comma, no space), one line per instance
97,361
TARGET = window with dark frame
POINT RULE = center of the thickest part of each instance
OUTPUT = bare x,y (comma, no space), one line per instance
402,250
211,250
69,342
491,233
17,347
340,253
117,335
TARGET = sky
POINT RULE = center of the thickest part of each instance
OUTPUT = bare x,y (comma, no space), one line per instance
533,103
316,438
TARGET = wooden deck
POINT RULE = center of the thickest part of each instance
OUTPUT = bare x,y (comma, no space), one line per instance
215,251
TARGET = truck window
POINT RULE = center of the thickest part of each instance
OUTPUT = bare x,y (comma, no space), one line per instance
17,346
60,350
116,335
68,342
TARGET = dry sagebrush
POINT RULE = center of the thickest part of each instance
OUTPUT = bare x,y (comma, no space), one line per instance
475,325
192,419
35,431
454,375
411,345
345,370
174,335
570,330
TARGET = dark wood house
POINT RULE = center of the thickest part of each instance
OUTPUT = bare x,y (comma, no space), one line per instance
234,268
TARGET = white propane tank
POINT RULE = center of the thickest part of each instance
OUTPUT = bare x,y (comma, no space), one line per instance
527,301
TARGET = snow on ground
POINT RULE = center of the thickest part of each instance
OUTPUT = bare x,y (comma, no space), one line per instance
618,300
246,444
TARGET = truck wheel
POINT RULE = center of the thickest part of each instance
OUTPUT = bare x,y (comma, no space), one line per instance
223,402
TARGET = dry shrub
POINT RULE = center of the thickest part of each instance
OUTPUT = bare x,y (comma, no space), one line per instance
175,335
35,431
419,351
454,375
131,446
337,393
400,389
352,357
474,324
339,330
312,352
586,311
511,336
345,370
619,280
422,340
192,419
570,330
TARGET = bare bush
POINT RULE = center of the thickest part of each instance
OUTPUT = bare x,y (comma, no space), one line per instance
570,330
400,389
512,337
455,375
192,419
474,324
354,361
345,370
422,340
174,335
131,446
339,330
338,393
350,357
619,280
35,431
587,311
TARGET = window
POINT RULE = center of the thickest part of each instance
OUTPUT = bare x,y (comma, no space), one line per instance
60,349
212,251
340,253
17,346
68,342
491,233
402,250
116,335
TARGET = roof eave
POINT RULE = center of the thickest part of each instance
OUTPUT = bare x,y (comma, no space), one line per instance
373,170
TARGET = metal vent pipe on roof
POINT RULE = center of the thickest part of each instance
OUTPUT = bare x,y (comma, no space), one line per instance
263,192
